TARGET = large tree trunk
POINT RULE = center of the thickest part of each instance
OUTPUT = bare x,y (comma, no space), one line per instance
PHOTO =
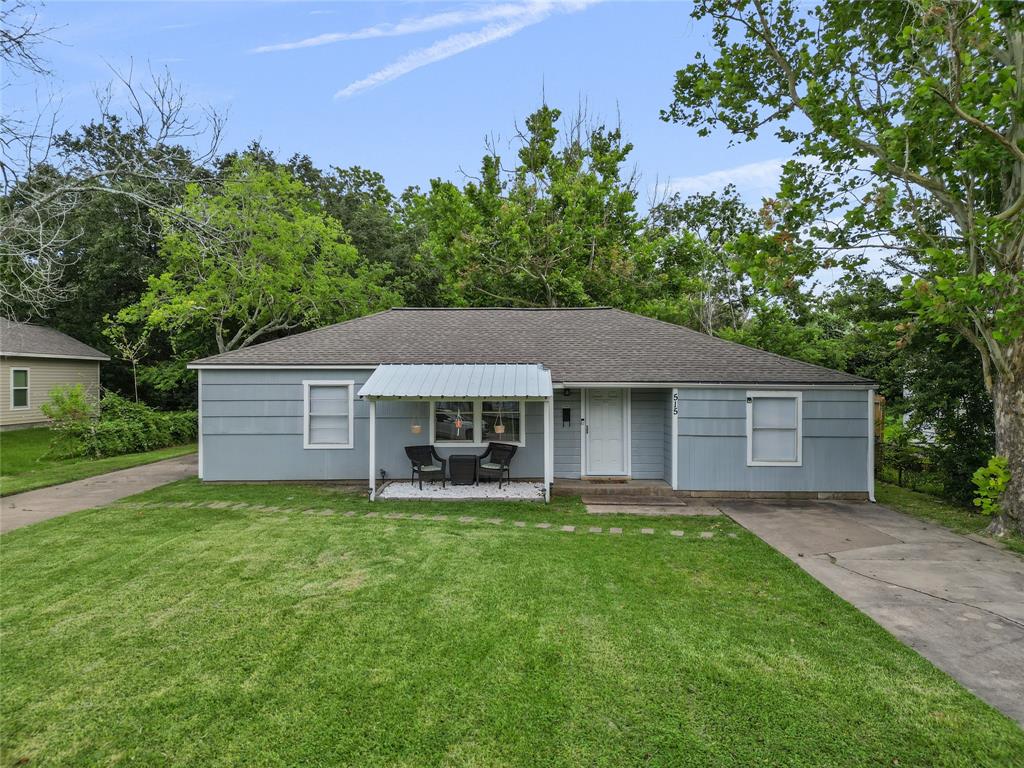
1008,400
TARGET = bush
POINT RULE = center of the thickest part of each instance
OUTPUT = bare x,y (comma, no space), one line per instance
991,480
123,427
69,405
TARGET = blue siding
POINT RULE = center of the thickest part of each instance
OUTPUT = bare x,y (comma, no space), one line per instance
713,443
252,430
647,433
567,436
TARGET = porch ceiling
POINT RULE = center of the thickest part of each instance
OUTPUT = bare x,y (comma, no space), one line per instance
454,380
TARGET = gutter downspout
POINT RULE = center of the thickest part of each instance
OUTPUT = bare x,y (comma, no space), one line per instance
871,445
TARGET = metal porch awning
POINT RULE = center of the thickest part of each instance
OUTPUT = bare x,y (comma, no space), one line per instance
459,380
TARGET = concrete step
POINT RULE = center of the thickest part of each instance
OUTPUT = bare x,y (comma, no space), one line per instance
648,500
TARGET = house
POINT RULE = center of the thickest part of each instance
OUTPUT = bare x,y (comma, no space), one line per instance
35,359
585,393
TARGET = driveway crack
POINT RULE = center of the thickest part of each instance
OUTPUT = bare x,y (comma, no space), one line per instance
880,580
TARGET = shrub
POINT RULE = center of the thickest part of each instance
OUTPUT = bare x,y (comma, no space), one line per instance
991,481
124,426
69,405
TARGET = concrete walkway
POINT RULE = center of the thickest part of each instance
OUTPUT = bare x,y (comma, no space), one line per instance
44,503
957,602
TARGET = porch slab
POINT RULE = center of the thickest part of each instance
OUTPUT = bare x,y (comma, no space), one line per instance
514,491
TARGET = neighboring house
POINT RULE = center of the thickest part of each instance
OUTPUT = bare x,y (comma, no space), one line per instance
34,360
584,393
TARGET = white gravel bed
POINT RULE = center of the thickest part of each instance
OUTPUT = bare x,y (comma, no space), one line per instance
434,492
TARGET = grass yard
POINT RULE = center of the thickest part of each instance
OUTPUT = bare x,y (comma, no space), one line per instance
927,507
24,465
167,634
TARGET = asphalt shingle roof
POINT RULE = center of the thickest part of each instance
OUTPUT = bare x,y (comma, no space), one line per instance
578,345
26,339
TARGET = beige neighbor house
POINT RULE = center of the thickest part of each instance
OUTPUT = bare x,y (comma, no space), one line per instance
35,359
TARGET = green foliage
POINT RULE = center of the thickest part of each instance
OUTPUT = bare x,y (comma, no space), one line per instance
991,480
124,426
253,258
558,229
69,405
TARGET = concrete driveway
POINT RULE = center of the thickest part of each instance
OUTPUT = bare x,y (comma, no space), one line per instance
957,602
44,503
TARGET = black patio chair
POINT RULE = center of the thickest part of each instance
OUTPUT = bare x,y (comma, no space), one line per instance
423,458
496,460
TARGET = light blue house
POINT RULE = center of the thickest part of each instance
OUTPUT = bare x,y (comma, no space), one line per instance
584,394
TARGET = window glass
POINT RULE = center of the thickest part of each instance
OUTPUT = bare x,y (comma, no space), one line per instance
19,389
328,415
502,421
453,421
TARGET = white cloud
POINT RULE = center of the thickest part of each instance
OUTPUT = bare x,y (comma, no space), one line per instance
752,180
412,26
532,13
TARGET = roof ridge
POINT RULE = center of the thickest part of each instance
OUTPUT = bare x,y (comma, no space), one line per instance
503,309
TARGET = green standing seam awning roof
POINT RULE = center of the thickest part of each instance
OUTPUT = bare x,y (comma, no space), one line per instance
456,380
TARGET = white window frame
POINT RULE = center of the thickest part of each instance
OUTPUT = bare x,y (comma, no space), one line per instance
777,393
478,409
27,388
306,384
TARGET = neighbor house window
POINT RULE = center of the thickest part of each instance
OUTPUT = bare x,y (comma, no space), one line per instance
19,388
477,422
327,414
773,429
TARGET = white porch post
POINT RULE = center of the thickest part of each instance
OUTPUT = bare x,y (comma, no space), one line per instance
373,449
675,439
549,446
871,445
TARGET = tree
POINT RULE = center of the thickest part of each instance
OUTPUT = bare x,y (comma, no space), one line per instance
909,118
558,229
138,155
696,280
266,260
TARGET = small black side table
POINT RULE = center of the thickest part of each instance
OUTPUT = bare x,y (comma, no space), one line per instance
462,469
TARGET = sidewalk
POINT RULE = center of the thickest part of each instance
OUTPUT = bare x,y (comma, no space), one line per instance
44,503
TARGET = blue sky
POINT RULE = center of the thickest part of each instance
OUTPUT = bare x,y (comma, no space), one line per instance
409,89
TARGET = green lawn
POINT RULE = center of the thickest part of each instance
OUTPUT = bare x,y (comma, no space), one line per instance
24,465
927,507
173,635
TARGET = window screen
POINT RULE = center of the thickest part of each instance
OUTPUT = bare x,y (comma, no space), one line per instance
774,429
329,419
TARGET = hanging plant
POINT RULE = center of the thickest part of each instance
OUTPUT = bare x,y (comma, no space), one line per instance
458,422
499,428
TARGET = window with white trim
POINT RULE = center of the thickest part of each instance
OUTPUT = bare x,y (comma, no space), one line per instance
774,433
327,414
477,422
19,388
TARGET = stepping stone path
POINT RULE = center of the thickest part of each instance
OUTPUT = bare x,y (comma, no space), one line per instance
466,519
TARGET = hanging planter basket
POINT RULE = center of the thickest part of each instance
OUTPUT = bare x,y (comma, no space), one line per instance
499,428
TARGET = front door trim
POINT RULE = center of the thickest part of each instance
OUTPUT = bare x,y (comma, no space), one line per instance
626,428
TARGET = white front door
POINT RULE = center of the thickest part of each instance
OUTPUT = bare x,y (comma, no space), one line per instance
605,432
